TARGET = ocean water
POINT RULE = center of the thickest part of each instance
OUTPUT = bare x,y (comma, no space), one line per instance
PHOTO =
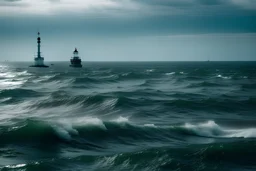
148,116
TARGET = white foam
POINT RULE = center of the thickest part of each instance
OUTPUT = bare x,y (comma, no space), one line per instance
89,121
150,125
64,129
14,74
150,70
62,133
15,166
121,119
44,78
126,74
220,76
109,103
5,99
242,133
170,73
211,129
10,84
25,73
58,83
7,75
113,76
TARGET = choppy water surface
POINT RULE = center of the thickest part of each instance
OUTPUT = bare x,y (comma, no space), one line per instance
128,116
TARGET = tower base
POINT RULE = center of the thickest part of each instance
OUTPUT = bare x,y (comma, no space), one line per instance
76,65
39,66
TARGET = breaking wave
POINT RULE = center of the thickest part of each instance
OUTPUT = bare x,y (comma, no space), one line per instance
96,130
211,129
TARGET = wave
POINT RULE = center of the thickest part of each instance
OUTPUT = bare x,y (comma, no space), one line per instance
108,77
47,78
204,84
192,157
148,83
95,80
85,80
18,93
150,70
134,76
95,131
4,75
137,98
202,103
170,73
76,81
250,86
211,129
57,100
11,83
113,100
223,77
192,78
5,99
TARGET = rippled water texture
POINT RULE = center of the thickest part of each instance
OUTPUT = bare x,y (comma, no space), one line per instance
148,116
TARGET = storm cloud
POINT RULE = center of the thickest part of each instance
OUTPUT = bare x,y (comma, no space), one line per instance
104,20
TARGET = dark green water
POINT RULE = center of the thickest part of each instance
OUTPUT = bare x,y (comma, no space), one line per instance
149,116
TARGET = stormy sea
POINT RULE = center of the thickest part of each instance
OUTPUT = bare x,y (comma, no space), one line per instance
115,116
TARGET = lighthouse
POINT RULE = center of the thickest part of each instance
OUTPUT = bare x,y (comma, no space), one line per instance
75,60
39,60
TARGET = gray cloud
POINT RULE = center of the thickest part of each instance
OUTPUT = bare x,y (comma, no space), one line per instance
173,3
159,17
246,4
11,3
193,2
212,2
11,0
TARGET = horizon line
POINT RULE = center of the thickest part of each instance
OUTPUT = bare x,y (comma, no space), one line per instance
147,61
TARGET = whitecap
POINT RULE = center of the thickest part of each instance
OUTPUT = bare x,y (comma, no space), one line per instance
89,121
121,119
170,73
126,74
150,125
15,166
5,99
208,129
9,84
220,76
150,70
64,129
211,129
109,103
241,133
23,73
61,132
44,78
7,75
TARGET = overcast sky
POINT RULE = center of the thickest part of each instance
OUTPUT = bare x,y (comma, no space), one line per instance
129,30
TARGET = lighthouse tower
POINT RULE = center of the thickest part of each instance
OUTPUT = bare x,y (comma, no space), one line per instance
39,60
75,60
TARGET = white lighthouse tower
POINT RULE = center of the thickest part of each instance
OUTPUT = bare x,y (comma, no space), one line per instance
39,60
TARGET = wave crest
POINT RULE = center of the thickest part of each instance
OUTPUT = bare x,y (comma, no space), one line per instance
211,129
